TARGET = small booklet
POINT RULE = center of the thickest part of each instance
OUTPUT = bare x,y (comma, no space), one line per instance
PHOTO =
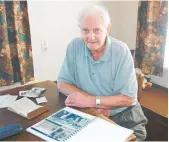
70,125
26,108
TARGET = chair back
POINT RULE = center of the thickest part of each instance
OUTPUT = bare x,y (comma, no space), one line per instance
140,79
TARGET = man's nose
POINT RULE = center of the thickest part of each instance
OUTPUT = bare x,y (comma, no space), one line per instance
91,36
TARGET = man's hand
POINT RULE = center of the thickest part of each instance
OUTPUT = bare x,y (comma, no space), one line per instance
105,112
81,100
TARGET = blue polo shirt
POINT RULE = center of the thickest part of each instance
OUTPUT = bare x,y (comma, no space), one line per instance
112,74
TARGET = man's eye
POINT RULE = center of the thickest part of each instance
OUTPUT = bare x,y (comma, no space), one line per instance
85,30
96,30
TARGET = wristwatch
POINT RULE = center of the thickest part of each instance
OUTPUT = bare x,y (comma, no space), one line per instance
97,101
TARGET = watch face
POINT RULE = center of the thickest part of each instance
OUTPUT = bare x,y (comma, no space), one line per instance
97,101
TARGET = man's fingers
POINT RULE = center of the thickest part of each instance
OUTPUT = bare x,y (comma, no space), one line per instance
104,112
107,113
99,110
67,104
77,99
69,99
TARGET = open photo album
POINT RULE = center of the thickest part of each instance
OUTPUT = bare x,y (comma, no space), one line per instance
70,125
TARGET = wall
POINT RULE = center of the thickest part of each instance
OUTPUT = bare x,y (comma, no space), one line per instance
53,25
127,22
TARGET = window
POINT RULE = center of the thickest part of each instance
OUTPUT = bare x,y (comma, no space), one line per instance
166,54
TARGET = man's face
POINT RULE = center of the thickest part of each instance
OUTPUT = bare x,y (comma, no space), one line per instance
94,31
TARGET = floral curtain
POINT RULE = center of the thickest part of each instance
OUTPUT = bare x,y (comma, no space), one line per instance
16,62
151,36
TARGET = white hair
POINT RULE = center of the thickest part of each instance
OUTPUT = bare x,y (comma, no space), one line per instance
88,10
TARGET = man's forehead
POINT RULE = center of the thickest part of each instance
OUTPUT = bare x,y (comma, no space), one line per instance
93,18
92,28
90,22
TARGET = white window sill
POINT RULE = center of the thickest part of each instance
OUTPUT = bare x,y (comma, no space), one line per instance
17,84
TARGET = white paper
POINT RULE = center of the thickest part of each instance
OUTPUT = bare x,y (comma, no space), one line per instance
41,100
6,100
101,131
2,98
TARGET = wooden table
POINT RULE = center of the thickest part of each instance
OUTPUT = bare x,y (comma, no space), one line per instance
55,103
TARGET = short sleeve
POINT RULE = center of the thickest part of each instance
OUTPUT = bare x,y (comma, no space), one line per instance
125,80
67,72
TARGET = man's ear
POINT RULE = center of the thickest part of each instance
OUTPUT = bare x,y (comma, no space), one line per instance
108,29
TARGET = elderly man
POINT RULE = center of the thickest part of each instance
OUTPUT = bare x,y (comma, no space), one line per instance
98,71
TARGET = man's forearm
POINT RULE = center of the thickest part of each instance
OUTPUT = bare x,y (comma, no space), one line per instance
106,102
68,89
116,101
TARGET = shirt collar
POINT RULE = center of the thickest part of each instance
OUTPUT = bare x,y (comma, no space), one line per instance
107,52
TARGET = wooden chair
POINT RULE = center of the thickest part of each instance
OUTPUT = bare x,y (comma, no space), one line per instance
140,79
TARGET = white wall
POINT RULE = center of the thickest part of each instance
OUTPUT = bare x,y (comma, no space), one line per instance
53,25
127,22
124,20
